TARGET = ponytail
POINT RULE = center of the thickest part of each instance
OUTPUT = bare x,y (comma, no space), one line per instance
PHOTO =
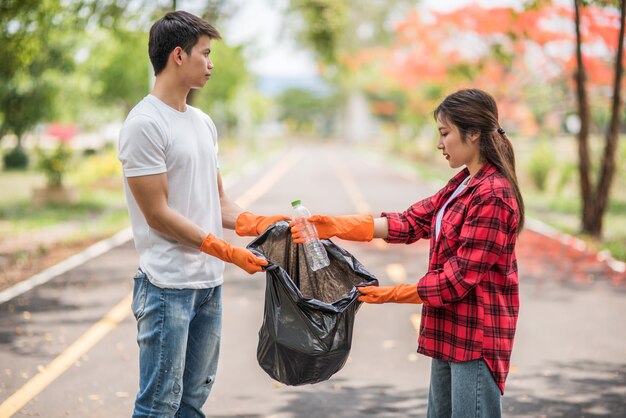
498,150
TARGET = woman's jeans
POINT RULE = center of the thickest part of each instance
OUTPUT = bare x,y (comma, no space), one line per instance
460,390
178,332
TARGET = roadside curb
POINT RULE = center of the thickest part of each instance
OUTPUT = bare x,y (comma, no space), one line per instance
76,260
573,242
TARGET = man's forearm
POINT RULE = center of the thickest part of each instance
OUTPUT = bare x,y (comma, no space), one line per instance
230,212
175,226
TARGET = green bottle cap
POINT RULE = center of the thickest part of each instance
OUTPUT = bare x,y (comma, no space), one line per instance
295,203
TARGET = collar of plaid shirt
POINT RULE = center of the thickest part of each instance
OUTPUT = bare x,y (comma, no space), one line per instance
485,171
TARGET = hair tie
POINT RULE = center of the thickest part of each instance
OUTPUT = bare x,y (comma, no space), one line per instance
501,131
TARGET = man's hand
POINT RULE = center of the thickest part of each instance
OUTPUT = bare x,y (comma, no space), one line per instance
348,227
402,293
241,257
249,224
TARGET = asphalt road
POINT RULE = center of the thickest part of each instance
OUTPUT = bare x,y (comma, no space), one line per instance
61,356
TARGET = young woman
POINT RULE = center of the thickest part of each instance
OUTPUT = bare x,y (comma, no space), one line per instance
470,292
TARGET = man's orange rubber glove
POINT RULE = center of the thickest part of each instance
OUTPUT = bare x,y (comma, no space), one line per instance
402,293
348,227
251,225
241,257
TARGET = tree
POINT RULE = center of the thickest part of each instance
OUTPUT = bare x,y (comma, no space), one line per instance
25,94
34,44
120,68
510,53
595,199
220,95
337,29
305,110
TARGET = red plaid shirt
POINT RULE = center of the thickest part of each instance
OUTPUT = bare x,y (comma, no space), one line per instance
470,292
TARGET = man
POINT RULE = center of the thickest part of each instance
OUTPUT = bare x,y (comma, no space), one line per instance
178,208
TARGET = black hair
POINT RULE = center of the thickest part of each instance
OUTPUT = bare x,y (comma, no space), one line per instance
176,29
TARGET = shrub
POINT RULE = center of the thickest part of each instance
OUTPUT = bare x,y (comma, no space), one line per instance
542,162
16,159
566,173
54,164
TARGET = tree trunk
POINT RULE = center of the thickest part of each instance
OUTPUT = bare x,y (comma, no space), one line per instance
612,135
586,193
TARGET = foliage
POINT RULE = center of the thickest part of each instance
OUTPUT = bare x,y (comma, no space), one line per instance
227,78
223,97
16,159
305,110
119,68
54,164
25,101
325,23
99,167
542,161
566,174
525,59
35,44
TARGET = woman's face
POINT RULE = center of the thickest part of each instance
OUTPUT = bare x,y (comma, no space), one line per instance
455,150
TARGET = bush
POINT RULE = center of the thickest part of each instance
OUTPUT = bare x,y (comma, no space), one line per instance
16,159
54,164
542,162
103,165
566,173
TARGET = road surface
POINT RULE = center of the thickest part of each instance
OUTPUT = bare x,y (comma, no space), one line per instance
67,347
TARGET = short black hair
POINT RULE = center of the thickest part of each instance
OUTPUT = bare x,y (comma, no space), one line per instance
175,29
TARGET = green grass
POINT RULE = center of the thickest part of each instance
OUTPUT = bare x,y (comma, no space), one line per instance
95,211
99,210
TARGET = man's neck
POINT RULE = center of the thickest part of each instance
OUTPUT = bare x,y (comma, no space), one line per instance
170,92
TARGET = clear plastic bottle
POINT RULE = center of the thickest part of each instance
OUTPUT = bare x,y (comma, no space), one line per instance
316,255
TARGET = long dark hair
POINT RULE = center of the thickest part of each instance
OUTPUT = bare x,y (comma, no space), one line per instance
474,110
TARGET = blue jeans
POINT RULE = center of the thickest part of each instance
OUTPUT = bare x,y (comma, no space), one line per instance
178,332
460,390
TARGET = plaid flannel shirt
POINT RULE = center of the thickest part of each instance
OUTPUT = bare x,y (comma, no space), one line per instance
470,292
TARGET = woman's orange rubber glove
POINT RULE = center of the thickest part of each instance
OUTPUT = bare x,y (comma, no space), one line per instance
348,227
241,257
251,225
402,293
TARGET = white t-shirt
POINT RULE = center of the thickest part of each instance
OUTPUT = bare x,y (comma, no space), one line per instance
457,192
154,139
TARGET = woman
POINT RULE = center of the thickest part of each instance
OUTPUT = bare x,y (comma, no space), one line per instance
470,291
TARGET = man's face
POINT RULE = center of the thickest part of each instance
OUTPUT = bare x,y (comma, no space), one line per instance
198,65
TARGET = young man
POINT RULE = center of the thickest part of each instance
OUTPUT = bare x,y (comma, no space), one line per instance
178,208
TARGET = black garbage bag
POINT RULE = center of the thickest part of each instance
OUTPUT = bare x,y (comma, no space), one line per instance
308,320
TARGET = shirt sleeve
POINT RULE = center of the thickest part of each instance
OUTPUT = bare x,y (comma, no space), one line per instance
488,229
142,147
412,224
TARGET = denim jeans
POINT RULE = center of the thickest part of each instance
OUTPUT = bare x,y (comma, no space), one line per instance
178,332
460,390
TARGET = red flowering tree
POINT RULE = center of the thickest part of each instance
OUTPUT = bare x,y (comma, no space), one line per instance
514,54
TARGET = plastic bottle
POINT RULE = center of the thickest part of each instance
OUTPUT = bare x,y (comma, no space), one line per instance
314,250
